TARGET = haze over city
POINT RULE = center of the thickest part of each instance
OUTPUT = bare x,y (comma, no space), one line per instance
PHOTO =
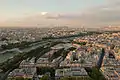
46,13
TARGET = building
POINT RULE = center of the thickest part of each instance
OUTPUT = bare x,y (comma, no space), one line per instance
70,72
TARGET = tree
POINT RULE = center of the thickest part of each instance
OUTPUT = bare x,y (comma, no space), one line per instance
19,78
82,61
96,74
45,77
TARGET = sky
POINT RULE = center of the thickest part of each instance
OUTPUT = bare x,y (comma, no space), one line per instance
45,13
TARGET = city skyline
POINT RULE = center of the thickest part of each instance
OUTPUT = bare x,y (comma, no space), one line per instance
42,13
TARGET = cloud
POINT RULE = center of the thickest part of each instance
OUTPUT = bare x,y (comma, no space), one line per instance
64,16
104,15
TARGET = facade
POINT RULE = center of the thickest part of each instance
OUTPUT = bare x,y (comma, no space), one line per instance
70,72
27,69
111,69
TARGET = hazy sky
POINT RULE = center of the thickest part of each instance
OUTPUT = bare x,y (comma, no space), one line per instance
89,13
